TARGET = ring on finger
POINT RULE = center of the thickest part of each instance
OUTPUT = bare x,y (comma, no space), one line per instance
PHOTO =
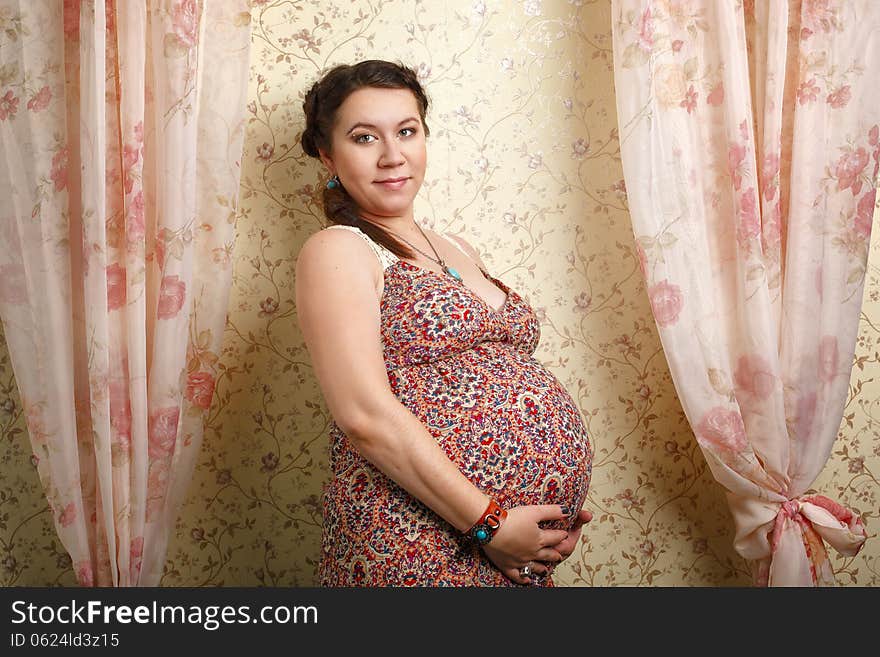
526,571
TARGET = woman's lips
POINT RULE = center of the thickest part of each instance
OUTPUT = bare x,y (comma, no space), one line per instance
392,184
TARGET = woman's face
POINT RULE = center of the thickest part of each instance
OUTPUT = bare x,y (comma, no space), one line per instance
377,148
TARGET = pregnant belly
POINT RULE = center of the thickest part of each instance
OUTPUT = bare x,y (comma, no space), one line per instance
506,421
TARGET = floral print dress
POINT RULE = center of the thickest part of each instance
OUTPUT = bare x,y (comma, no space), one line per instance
466,371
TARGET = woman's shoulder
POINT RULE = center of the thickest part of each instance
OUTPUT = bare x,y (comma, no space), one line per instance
333,238
335,248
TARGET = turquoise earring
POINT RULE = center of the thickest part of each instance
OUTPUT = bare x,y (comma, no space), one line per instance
333,183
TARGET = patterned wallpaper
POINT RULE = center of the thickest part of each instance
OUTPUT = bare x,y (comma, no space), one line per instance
524,163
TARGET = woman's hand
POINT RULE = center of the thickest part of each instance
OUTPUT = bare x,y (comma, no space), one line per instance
520,540
569,543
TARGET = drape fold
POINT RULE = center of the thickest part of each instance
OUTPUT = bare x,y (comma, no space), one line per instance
122,173
750,147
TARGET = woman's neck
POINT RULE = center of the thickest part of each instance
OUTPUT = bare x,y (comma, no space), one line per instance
404,225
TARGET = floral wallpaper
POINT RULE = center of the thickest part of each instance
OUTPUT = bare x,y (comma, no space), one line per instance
524,163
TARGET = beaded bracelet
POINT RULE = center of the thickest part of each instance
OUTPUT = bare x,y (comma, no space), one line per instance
484,529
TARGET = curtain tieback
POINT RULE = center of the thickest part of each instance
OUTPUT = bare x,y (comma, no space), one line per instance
800,527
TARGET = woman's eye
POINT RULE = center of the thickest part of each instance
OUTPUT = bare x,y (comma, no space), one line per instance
367,138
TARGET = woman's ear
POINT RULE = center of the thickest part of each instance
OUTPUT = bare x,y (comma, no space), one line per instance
327,160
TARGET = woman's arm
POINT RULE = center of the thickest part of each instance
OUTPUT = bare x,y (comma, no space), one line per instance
338,311
337,277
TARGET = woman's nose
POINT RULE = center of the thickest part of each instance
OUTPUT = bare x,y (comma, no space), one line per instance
391,154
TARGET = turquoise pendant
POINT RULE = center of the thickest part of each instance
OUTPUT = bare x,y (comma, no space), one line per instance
454,274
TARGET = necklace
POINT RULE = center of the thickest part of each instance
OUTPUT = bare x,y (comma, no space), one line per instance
449,271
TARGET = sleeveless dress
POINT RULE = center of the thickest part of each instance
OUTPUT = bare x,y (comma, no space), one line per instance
466,371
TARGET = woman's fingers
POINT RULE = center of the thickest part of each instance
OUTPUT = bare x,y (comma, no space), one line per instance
553,536
583,517
548,554
540,568
536,570
547,512
552,512
567,546
516,575
556,544
540,572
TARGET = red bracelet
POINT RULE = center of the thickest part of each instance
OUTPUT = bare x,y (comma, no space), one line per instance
484,529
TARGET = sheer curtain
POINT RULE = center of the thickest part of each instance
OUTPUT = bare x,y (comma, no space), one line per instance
122,127
750,146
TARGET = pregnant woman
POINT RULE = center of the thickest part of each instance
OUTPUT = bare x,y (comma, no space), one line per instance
457,459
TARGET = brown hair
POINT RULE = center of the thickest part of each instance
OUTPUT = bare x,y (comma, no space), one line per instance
320,106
